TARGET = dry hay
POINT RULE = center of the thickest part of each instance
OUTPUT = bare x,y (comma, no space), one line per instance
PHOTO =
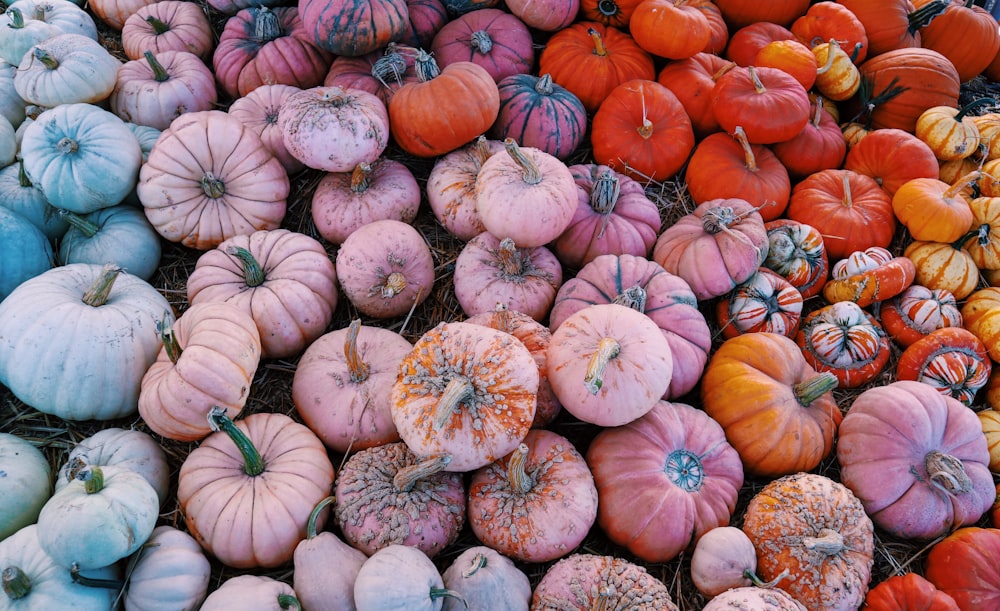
271,389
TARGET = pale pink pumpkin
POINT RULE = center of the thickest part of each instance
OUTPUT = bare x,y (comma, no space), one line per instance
230,488
209,357
613,217
495,39
664,480
116,12
258,110
465,390
168,25
283,279
525,194
385,268
536,338
646,287
334,129
714,248
583,582
491,271
341,386
536,504
158,88
545,15
388,495
451,187
208,178
609,364
381,72
344,201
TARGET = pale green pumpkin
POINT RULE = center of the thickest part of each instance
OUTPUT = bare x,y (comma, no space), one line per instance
25,483
19,194
25,252
119,234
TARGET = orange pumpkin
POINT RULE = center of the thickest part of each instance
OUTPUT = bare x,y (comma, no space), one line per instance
909,591
949,132
981,315
964,33
778,412
673,29
903,83
791,56
944,267
816,529
963,565
819,146
444,109
983,243
796,251
768,103
932,209
892,157
868,276
830,20
642,131
766,302
739,13
950,359
886,24
692,81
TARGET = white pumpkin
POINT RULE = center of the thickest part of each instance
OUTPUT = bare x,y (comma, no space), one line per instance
124,448
25,483
171,573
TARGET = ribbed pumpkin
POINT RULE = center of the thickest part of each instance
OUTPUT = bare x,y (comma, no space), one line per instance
892,157
845,340
768,103
494,39
354,27
963,32
951,360
537,112
886,24
692,81
923,78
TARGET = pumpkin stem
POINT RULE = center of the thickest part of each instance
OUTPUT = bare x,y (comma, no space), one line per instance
391,65
169,339
392,285
510,257
517,475
718,218
760,583
253,464
425,66
607,349
22,176
311,532
646,129
962,112
684,468
359,177
543,86
871,100
437,593
213,187
758,86
16,583
604,197
16,18
481,42
608,8
253,273
529,169
829,542
85,226
67,145
633,297
599,48
818,113
831,55
159,27
947,473
90,582
749,158
266,26
479,561
160,74
502,320
287,601
954,190
45,57
848,200
480,151
407,477
923,16
815,387
97,294
455,392
359,368
93,479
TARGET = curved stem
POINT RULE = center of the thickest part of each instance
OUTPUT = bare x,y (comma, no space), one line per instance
599,48
760,583
358,368
16,18
359,177
253,273
85,226
829,542
815,387
748,157
633,297
529,169
407,477
98,293
954,190
831,56
607,349
160,74
253,463
45,57
287,601
455,392
159,27
314,516
818,113
758,86
480,151
972,106
510,258
108,584
923,16
437,593
517,475
947,473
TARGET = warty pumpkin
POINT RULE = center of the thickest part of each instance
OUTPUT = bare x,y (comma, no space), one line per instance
583,581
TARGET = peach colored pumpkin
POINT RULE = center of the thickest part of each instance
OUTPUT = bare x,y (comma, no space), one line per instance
341,386
283,279
609,364
233,489
259,111
584,582
209,357
466,390
451,187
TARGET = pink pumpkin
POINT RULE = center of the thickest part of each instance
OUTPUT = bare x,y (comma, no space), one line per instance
157,89
496,40
609,364
545,15
380,72
588,581
714,248
168,25
525,194
267,46
283,279
664,480
334,129
345,201
388,495
385,268
537,503
341,386
537,112
451,187
259,110
490,271
917,460
613,217
646,287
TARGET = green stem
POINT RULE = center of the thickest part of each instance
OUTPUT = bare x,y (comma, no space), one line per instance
170,344
97,294
253,464
92,478
16,583
314,516
815,387
407,477
479,561
90,582
965,110
45,58
83,225
253,273
159,27
923,16
160,74
16,19
22,176
437,593
287,601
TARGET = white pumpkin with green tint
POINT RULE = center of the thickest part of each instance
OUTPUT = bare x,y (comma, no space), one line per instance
25,484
